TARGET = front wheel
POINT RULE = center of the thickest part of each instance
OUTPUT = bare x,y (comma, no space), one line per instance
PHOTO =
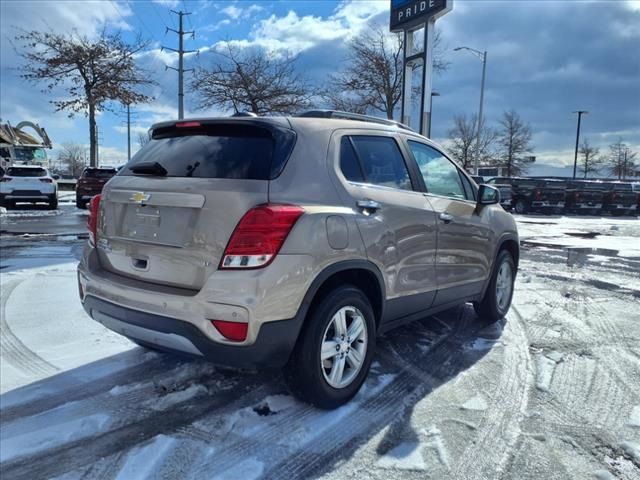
497,298
520,207
332,357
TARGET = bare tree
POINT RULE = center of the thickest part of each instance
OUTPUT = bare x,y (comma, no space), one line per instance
514,138
373,76
621,160
143,139
463,141
74,157
94,72
590,160
257,82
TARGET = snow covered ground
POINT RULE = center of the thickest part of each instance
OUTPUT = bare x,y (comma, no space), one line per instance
553,391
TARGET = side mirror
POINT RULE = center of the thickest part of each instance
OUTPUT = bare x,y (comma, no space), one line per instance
56,177
488,195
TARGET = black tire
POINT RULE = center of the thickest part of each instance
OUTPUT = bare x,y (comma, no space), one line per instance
521,207
79,203
304,373
53,203
488,308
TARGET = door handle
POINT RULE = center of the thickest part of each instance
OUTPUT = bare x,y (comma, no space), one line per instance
446,217
368,205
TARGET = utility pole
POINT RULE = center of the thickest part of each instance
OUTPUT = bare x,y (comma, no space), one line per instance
483,58
180,51
575,158
128,133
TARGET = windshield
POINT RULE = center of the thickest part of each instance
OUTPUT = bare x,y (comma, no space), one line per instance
27,154
26,172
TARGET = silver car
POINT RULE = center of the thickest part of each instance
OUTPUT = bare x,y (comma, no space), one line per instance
292,242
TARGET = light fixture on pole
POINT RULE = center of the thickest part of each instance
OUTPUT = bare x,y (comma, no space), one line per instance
575,157
483,58
433,94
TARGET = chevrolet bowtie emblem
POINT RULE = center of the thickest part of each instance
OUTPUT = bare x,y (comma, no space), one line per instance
140,197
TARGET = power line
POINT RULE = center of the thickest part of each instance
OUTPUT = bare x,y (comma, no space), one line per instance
180,51
142,22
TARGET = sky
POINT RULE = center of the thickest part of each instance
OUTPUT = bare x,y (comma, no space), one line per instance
545,59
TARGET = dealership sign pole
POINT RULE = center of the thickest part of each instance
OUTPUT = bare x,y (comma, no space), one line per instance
409,16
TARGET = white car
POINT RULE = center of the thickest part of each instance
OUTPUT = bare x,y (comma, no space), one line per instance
28,183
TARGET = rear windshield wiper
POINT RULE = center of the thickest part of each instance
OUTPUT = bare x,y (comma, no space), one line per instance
149,168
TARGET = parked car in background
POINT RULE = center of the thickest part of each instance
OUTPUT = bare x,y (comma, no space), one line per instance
619,198
292,242
28,184
534,194
584,197
478,179
91,182
636,188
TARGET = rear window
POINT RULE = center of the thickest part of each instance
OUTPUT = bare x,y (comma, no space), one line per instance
99,172
26,172
217,151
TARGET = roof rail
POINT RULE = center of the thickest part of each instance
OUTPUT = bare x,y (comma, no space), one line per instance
353,116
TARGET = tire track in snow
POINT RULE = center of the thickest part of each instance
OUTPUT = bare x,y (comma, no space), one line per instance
499,428
13,350
77,454
344,438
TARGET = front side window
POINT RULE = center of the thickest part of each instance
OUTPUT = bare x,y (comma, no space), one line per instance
440,175
380,161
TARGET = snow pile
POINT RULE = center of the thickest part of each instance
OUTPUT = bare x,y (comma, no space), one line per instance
174,398
143,461
406,456
50,435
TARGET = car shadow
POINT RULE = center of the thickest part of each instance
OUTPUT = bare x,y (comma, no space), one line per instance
416,359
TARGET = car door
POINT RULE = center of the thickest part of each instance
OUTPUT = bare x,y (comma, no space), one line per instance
465,240
395,221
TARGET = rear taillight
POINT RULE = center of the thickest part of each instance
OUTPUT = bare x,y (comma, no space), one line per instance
235,331
576,195
46,180
259,235
188,124
92,220
537,194
5,179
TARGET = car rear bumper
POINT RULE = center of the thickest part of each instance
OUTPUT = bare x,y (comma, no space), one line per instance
271,349
28,196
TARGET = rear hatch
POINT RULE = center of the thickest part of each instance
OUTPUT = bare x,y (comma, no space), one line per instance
95,178
621,194
169,213
25,180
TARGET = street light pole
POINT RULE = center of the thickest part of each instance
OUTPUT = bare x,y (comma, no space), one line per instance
433,94
483,58
575,157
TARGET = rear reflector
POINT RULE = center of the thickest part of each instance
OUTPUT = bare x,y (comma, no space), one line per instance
234,331
92,220
188,124
259,235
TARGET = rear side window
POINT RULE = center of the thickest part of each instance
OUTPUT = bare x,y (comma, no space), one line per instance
216,151
380,160
349,163
26,172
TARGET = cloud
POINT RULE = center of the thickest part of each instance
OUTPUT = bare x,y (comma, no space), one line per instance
167,3
232,11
